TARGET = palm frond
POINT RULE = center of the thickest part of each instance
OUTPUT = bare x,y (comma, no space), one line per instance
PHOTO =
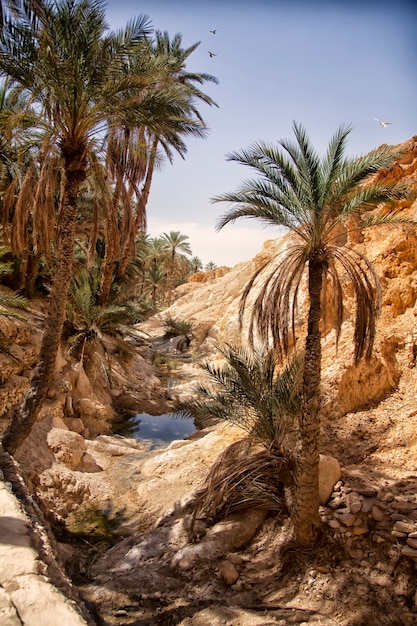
243,477
251,391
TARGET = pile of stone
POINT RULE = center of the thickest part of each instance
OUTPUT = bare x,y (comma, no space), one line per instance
385,515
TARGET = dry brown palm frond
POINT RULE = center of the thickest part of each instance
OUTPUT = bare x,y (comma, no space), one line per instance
244,476
274,310
367,294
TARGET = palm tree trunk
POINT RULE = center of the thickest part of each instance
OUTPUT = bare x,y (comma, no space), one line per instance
112,244
142,201
305,509
32,266
25,418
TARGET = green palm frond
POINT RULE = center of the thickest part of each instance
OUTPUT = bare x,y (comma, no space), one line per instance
313,197
249,390
177,328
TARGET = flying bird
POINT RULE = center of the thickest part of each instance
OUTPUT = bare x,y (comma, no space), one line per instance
214,31
212,54
383,124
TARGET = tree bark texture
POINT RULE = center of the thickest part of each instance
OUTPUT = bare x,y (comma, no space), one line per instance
305,510
140,218
112,245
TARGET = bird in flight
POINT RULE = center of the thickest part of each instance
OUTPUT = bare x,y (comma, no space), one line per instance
212,54
214,31
383,124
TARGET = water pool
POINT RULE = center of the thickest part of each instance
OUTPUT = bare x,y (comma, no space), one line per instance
158,430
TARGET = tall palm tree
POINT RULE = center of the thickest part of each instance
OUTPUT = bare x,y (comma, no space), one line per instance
176,243
63,58
173,81
312,197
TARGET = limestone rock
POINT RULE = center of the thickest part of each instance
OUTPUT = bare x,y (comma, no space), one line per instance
329,474
229,572
68,447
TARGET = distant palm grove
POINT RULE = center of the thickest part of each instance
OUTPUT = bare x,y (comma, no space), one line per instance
86,115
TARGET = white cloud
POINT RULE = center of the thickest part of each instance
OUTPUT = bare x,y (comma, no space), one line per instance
233,244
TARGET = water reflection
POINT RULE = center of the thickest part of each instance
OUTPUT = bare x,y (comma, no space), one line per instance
158,430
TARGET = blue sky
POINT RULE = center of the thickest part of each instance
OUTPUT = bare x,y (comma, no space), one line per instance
318,63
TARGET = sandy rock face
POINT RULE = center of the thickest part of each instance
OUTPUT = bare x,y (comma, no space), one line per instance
213,306
68,447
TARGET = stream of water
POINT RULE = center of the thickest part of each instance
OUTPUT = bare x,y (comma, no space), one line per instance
158,430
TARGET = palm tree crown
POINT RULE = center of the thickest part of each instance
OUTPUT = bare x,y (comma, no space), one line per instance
313,198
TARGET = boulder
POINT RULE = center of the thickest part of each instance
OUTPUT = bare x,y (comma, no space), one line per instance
329,475
68,447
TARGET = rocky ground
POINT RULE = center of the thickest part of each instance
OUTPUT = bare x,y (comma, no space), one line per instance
246,571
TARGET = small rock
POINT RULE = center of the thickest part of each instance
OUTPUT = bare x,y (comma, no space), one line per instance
404,527
336,503
409,551
367,505
228,572
403,507
377,514
234,558
348,519
386,496
412,542
354,502
368,492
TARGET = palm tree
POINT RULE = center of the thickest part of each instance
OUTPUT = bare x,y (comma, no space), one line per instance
196,264
210,266
88,323
249,390
176,243
70,67
252,391
312,198
133,147
155,281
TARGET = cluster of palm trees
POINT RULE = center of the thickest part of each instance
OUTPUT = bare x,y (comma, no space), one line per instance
86,117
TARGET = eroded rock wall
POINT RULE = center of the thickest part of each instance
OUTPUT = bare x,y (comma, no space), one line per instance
212,305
